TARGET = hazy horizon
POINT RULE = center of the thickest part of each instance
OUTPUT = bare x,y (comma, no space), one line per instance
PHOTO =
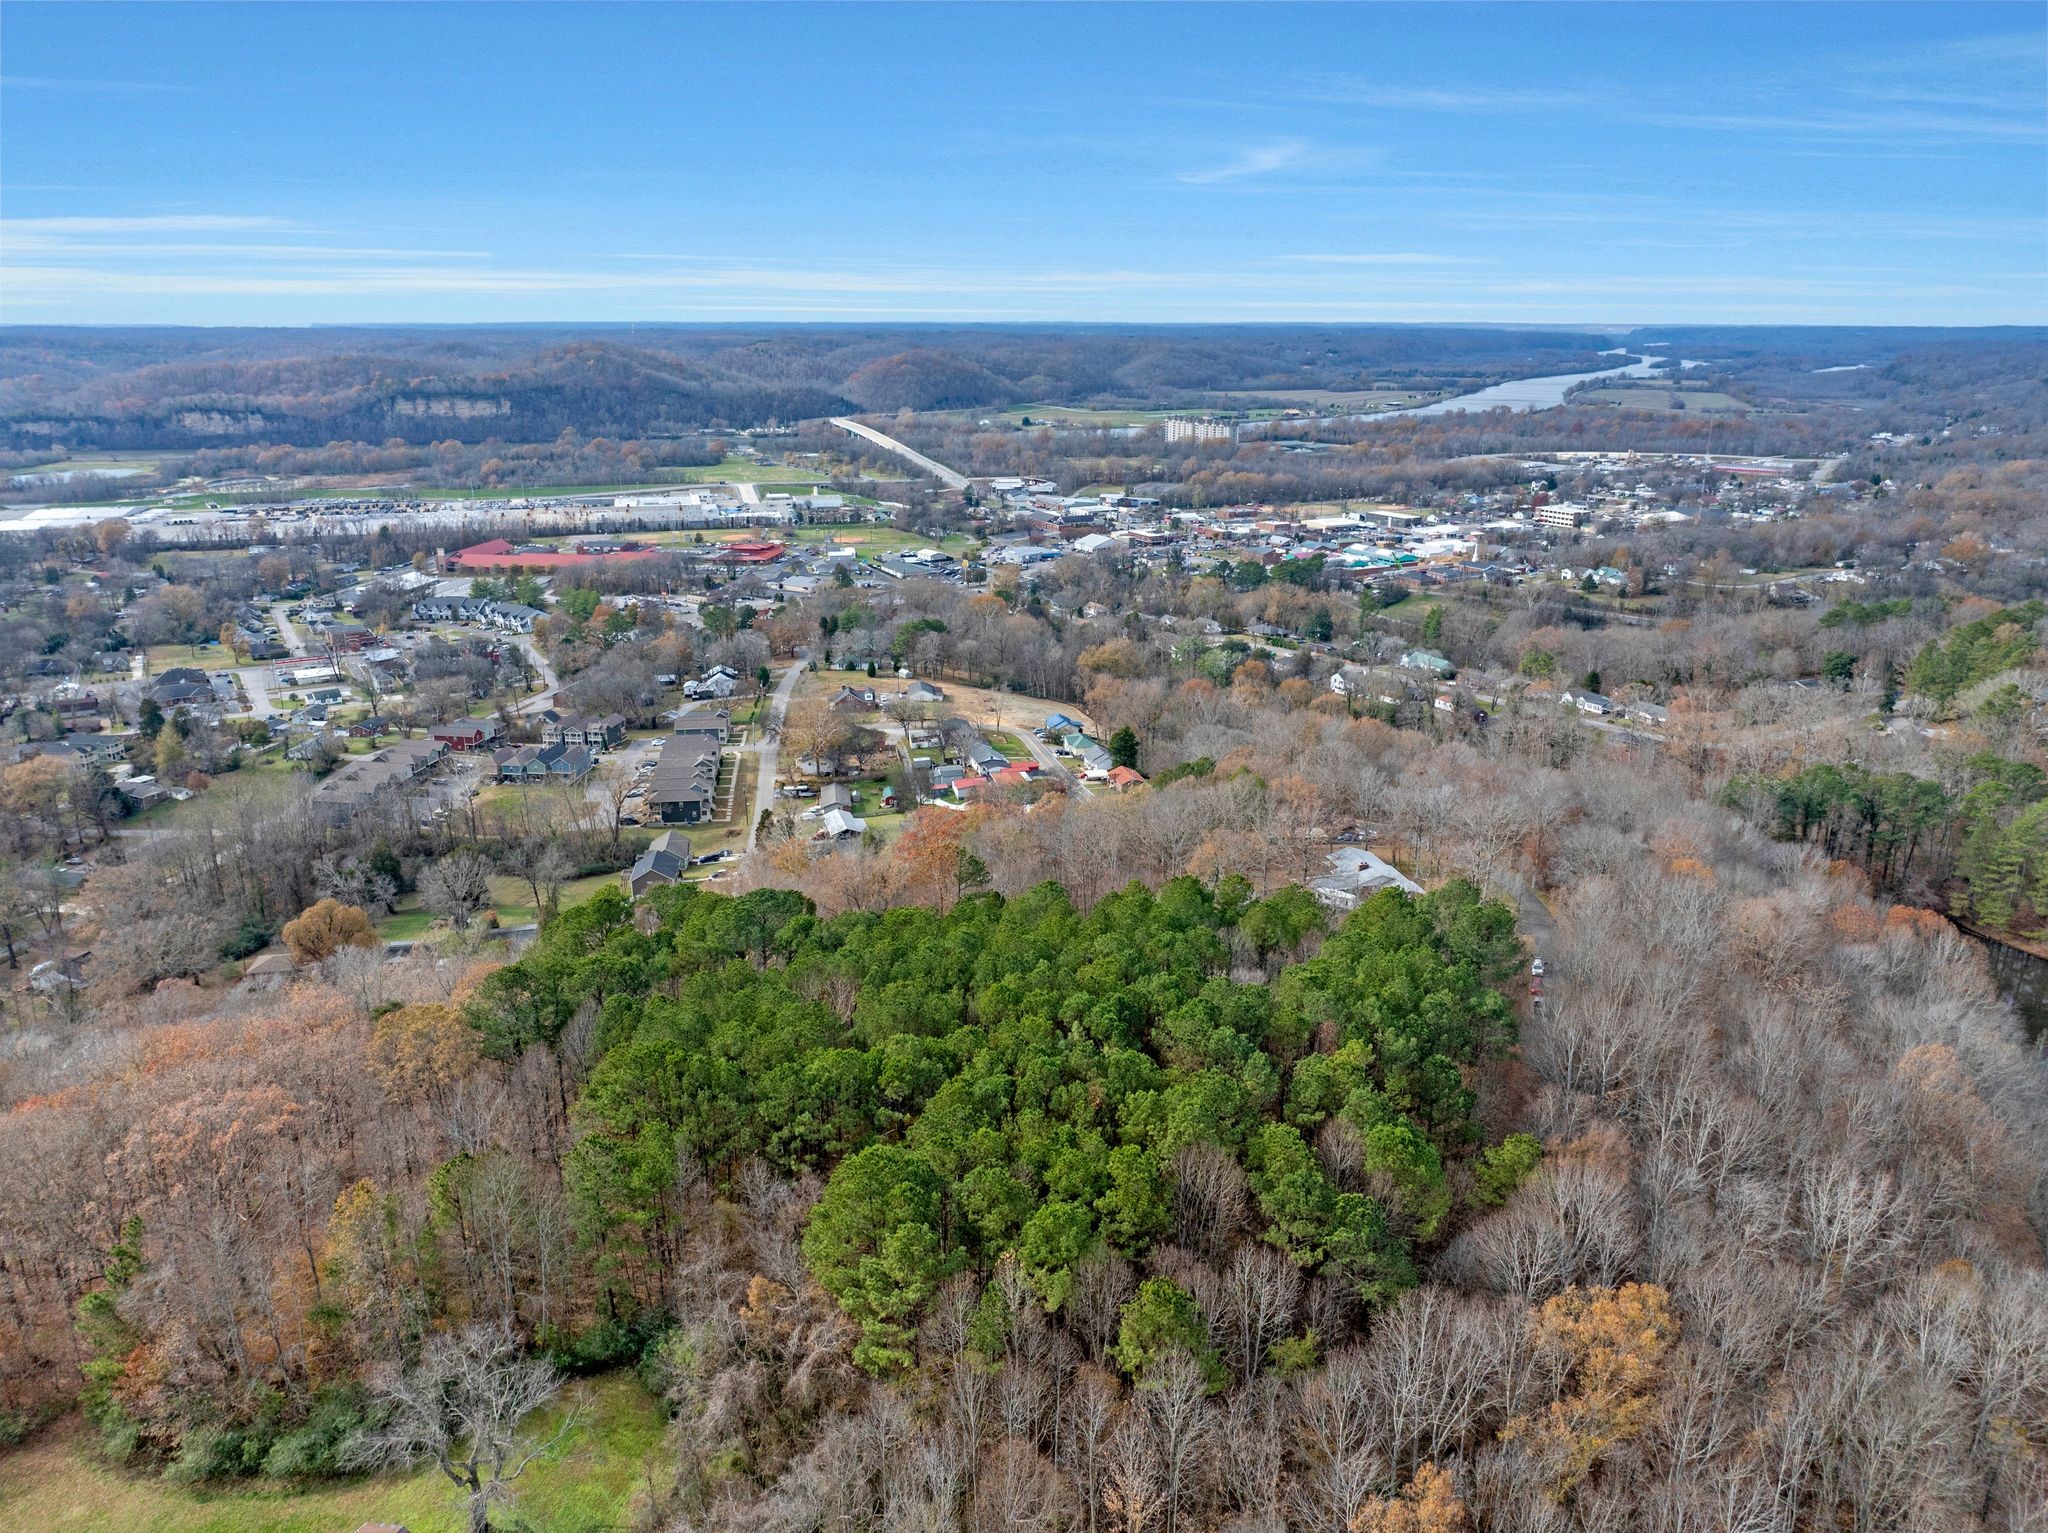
1706,164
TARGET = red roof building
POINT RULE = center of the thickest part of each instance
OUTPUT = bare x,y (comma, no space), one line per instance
751,553
498,554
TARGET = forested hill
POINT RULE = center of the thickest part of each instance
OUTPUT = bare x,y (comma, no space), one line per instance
180,388
1019,1080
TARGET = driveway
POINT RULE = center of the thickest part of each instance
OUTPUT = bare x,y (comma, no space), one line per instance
548,680
767,742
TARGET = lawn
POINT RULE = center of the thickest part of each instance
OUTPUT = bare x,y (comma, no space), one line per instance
405,925
510,897
748,471
868,805
208,656
1013,749
56,1485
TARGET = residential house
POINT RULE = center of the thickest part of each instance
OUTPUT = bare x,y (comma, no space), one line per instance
1590,703
1426,660
596,734
840,824
364,781
511,616
1370,684
270,971
1095,758
542,763
719,681
852,700
74,707
1653,714
1355,876
835,795
1124,778
662,864
466,734
711,726
984,757
182,686
683,787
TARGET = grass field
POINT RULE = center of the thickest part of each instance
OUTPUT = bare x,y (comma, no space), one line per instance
748,471
208,656
1663,397
97,463
1081,415
55,1485
1337,399
510,897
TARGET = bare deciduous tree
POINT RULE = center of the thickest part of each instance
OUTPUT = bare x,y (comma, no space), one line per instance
465,1405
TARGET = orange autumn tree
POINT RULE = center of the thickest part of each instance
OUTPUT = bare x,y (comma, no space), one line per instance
1609,1346
326,929
1426,1504
419,1053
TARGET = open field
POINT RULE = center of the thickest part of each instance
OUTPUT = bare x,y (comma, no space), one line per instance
1663,397
1337,399
978,705
749,471
208,656
1081,415
112,461
56,1485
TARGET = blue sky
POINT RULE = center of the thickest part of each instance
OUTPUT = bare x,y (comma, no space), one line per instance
290,164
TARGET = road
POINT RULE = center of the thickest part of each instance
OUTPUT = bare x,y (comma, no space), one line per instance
287,635
255,681
767,744
952,479
1045,756
548,680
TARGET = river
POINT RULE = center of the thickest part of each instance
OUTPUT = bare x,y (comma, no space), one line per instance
1519,394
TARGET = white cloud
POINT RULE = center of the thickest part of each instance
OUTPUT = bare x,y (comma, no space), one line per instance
148,223
1383,258
1252,161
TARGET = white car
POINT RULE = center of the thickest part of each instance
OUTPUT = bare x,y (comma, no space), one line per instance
1536,967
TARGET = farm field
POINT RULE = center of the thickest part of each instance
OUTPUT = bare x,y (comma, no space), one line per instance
1652,397
57,1485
